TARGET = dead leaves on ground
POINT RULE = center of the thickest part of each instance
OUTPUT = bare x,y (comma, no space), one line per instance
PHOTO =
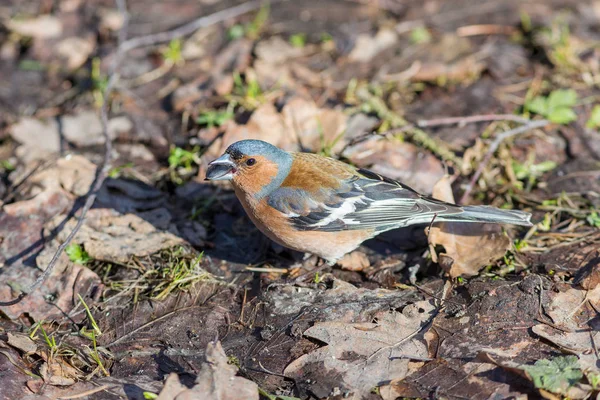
216,380
364,355
468,247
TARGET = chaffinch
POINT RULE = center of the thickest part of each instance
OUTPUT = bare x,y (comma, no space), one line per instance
323,206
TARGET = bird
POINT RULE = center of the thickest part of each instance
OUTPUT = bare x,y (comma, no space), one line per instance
326,207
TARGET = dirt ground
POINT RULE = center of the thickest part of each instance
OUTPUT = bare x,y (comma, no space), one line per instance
168,291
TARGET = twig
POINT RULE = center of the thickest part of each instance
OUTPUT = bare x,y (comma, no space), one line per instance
486,29
461,121
494,146
187,29
86,393
102,171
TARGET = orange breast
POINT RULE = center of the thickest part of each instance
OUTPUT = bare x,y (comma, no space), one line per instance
275,225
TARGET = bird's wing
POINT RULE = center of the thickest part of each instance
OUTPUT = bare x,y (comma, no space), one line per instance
334,196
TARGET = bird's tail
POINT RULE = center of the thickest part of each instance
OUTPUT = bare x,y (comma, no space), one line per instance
489,214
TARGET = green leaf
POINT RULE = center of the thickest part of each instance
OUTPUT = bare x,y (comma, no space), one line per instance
556,375
542,167
235,32
537,105
562,98
594,121
594,219
298,40
7,165
562,115
77,254
420,35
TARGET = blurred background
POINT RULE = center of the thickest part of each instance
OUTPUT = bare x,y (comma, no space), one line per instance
413,90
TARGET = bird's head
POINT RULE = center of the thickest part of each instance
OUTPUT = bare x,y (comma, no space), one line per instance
254,166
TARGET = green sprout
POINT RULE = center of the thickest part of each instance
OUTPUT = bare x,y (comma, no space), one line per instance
420,35
556,375
172,54
594,121
298,40
7,165
212,118
529,173
77,254
99,82
594,219
557,107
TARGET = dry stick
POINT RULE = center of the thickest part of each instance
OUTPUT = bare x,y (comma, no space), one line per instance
494,146
425,123
123,47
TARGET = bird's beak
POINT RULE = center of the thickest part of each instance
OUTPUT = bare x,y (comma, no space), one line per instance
220,169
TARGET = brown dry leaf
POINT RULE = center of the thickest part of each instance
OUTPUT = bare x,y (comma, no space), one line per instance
82,129
275,50
52,190
75,50
571,311
355,261
316,128
57,372
588,276
397,160
568,306
110,236
217,380
22,342
364,355
41,27
367,46
468,247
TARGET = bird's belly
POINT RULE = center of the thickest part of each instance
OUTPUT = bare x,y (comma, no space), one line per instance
328,245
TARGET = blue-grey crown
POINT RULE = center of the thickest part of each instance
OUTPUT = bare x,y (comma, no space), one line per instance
252,147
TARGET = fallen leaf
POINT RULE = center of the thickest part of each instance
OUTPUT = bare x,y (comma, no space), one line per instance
81,129
22,342
567,307
217,380
22,240
355,261
367,46
41,27
110,236
173,387
363,355
588,275
75,50
55,371
275,50
317,129
468,247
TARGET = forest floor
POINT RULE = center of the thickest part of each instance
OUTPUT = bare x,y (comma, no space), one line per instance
168,291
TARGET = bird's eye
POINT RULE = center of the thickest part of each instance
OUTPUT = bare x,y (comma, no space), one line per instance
250,162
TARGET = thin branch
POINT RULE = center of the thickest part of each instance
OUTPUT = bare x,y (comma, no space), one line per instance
461,121
494,146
